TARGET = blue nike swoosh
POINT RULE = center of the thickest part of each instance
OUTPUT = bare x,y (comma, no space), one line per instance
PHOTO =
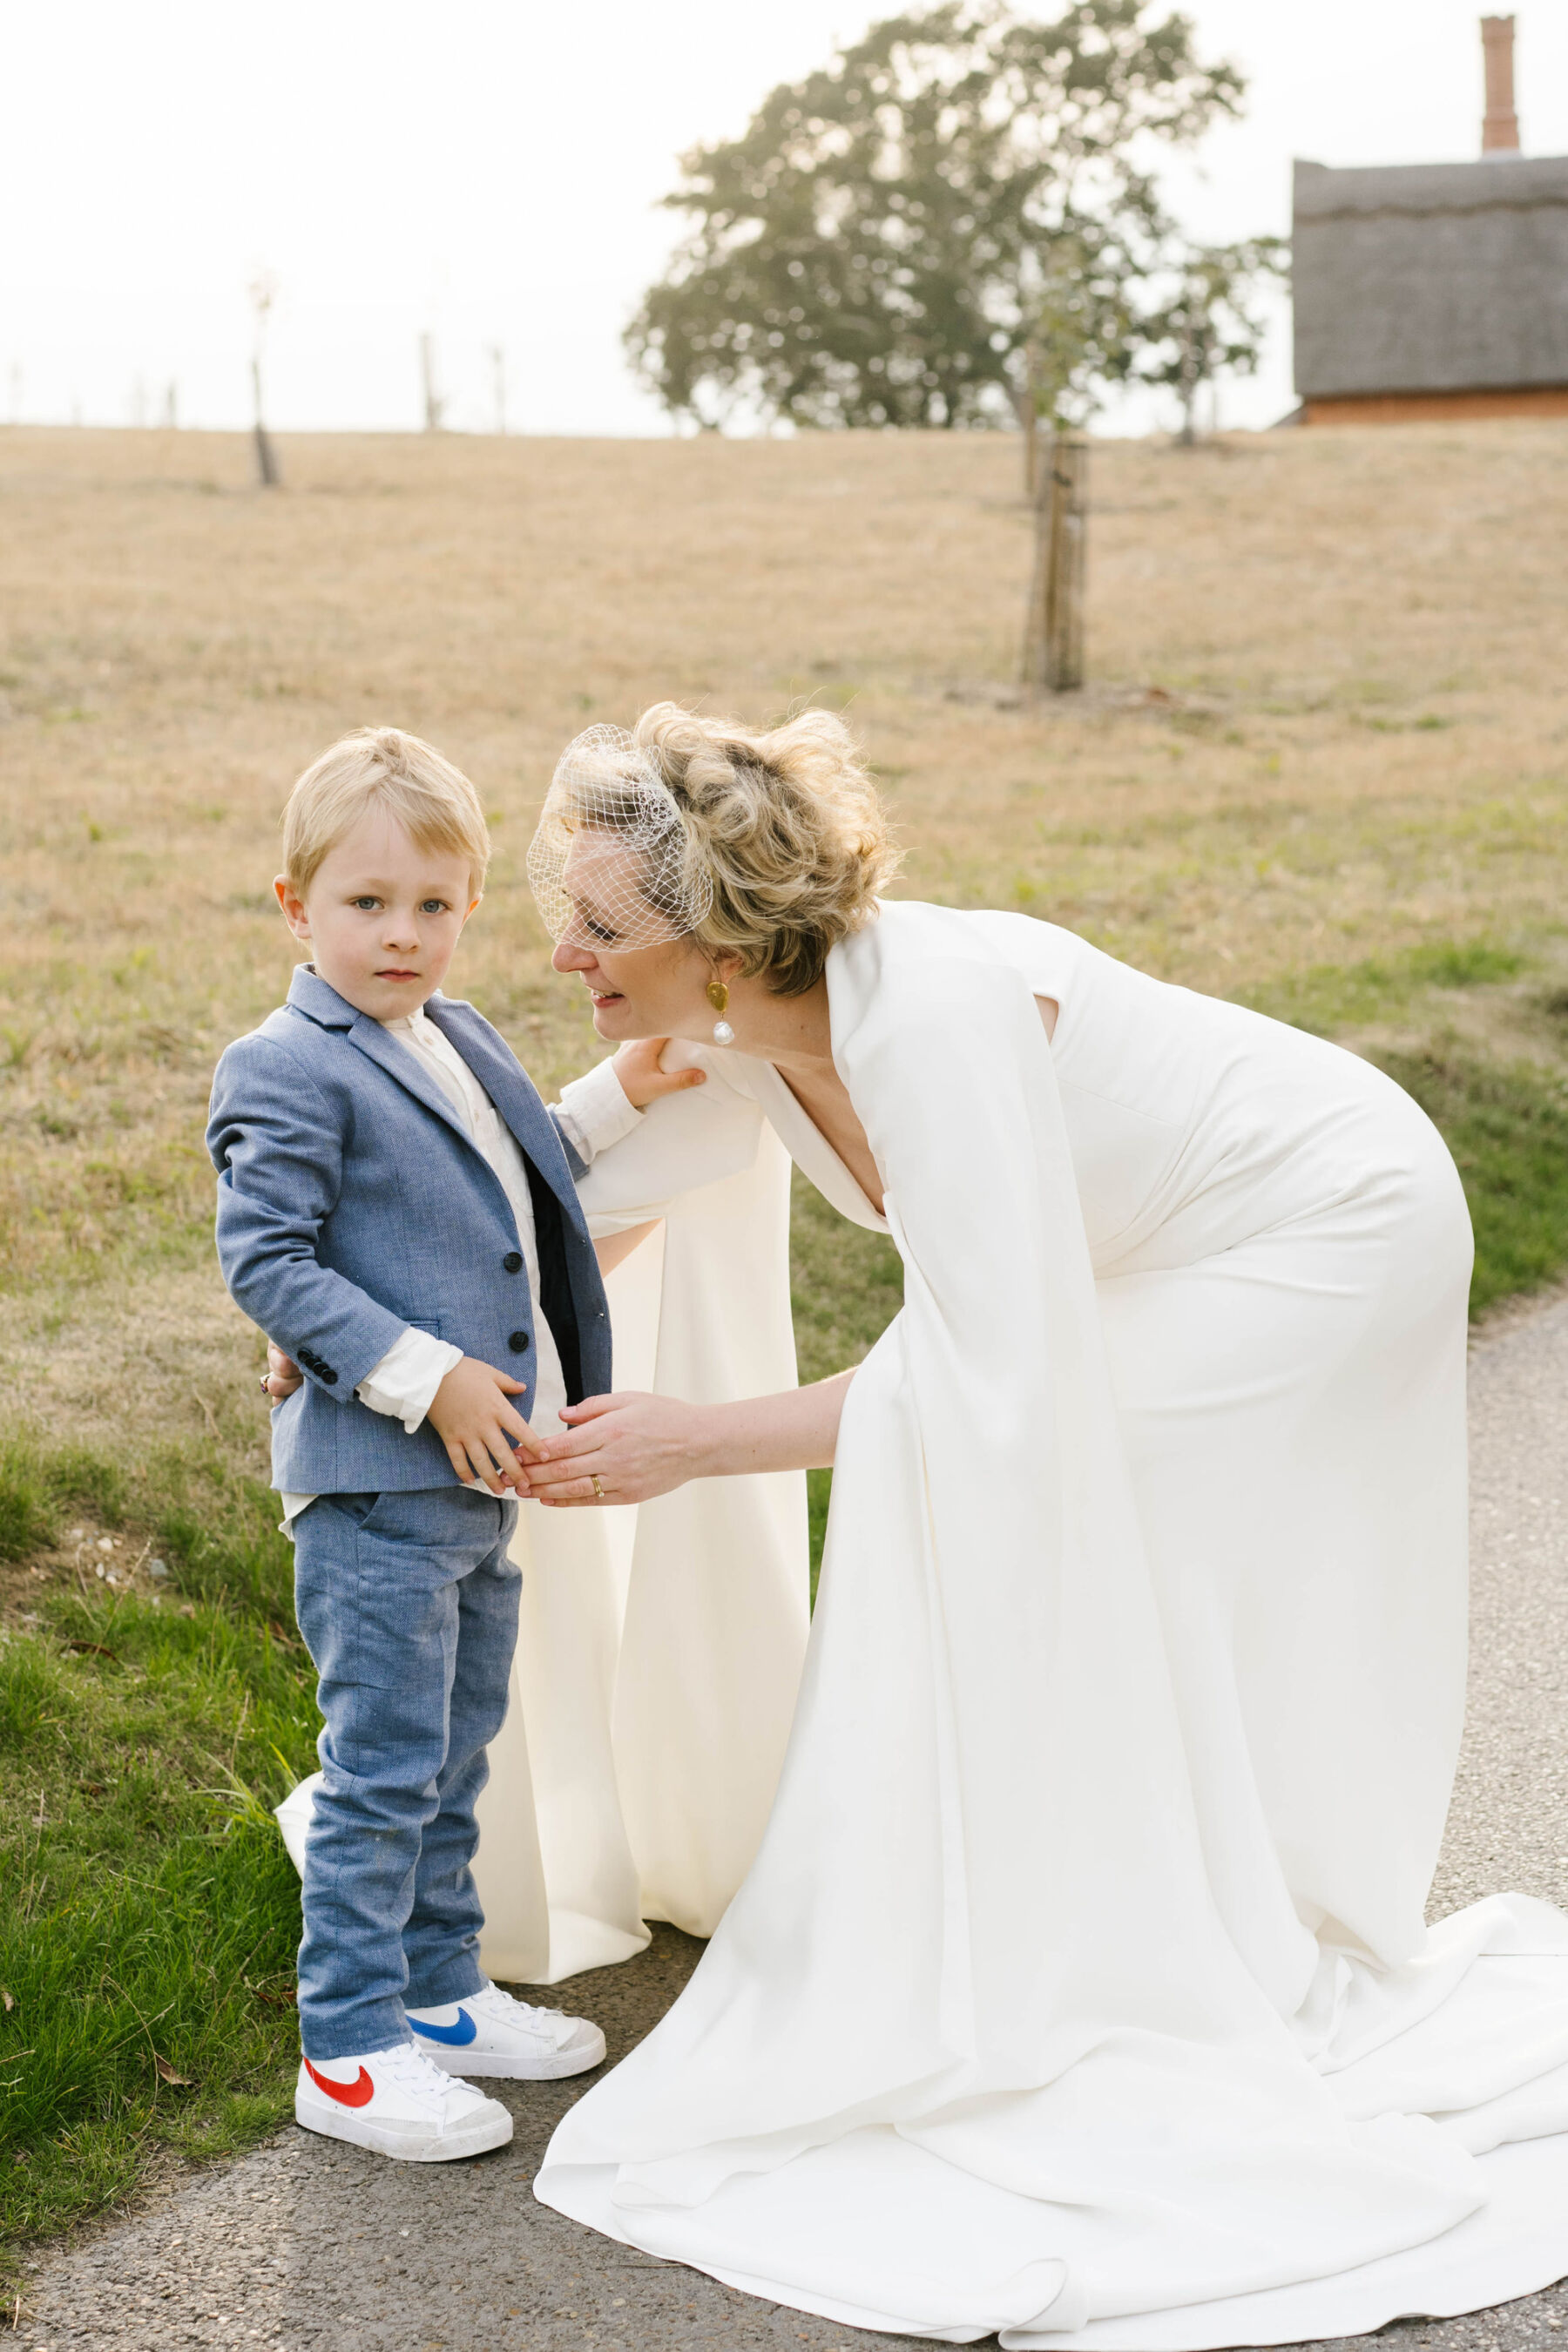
457,2036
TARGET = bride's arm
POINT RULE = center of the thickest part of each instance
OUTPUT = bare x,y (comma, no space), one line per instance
638,1446
600,1110
602,1106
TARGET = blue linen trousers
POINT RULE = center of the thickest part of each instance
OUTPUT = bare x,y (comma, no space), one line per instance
408,1605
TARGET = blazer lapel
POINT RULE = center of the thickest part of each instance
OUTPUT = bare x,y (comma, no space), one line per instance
495,1068
398,1063
309,993
512,1091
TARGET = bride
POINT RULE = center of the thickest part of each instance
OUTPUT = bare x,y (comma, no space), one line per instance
1080,1988
1077,1986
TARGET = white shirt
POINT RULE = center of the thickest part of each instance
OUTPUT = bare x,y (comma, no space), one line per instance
596,1114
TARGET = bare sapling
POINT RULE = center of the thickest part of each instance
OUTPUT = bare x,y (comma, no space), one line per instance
1053,636
263,295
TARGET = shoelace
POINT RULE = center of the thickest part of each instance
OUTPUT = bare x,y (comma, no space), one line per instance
506,2008
411,2070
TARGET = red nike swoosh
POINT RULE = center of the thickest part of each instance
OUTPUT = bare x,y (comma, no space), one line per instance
347,2094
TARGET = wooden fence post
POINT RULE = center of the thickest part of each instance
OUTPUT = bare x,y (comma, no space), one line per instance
434,404
1053,637
269,473
263,295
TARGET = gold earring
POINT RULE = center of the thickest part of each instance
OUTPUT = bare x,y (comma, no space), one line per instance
718,998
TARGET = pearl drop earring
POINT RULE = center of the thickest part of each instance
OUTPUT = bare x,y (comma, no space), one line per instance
718,998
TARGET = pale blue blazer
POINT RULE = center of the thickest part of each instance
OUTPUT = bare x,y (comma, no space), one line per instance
351,1202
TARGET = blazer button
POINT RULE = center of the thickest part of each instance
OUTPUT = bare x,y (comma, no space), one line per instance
512,1262
518,1342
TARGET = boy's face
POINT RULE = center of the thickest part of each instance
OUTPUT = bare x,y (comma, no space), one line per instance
381,916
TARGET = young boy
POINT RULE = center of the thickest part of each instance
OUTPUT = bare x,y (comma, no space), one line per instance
396,1210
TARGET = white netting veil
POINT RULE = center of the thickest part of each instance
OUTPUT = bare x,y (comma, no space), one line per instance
611,863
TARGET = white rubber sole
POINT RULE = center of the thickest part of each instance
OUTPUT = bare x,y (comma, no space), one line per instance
485,2131
550,2066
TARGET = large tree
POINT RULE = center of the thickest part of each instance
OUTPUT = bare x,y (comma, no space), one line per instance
938,227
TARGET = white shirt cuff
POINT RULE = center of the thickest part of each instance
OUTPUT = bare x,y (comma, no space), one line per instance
404,1384
594,1111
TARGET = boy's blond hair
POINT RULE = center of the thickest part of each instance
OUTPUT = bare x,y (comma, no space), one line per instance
381,767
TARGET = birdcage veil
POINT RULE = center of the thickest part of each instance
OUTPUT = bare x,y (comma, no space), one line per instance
611,863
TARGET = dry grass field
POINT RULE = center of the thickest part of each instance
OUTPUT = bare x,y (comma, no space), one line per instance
1323,764
1329,722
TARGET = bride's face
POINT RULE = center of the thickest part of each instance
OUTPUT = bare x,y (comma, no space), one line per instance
643,992
636,991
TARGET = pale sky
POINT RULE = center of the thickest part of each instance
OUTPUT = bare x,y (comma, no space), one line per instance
491,172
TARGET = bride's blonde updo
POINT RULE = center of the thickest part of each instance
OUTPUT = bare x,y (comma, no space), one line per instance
788,828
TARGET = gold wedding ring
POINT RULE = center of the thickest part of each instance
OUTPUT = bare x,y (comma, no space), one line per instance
598,1489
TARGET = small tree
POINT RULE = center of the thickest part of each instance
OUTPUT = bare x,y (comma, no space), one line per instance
1213,323
1079,338
878,246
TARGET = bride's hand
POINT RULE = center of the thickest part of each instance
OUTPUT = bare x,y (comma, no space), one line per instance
643,1081
636,1446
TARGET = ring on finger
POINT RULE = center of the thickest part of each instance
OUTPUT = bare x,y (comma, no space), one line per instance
598,1486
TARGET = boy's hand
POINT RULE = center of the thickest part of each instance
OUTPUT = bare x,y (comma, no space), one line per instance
642,1079
283,1374
480,1429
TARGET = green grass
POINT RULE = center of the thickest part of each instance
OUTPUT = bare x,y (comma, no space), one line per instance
37,1489
151,1913
819,1495
847,1284
1507,1130
1506,1124
1328,999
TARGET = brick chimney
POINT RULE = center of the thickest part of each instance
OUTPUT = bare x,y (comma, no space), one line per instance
1499,125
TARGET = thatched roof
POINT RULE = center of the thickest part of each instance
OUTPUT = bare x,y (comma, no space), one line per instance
1431,276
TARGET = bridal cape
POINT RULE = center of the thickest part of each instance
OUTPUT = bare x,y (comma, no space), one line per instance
1079,1988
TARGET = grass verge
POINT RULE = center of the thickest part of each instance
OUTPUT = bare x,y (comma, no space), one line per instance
147,1945
1331,999
1504,1119
1507,1130
847,1284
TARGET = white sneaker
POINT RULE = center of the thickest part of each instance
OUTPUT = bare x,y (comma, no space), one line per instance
395,2101
489,2033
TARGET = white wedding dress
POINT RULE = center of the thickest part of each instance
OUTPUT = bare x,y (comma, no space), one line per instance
1080,1987
1069,1975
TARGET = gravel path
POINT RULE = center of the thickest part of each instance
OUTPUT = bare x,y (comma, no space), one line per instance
307,2242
